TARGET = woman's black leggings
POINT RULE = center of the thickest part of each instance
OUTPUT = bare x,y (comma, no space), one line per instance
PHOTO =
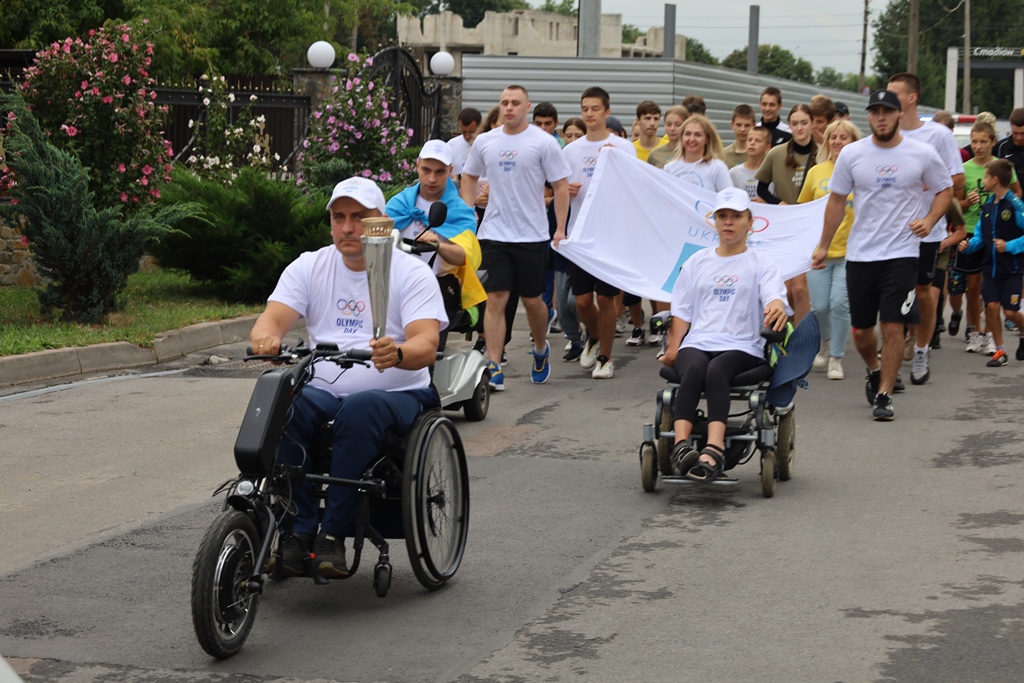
710,373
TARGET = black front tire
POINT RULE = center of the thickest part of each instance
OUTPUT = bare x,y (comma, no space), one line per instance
648,467
476,407
223,606
787,444
666,423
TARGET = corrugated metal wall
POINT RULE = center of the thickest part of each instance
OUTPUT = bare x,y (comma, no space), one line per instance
560,80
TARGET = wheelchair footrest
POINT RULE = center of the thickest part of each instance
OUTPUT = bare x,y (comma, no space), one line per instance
722,480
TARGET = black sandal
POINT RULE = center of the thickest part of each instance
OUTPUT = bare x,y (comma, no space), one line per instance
683,458
703,471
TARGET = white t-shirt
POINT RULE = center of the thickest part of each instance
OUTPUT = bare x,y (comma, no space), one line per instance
888,188
440,267
941,138
336,304
516,167
723,298
581,156
743,178
460,150
712,174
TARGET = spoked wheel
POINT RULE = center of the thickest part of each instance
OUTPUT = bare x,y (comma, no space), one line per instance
476,407
648,467
435,502
223,607
768,464
787,444
666,443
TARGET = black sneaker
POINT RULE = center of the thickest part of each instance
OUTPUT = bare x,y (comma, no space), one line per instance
504,358
294,549
480,346
936,339
574,352
954,323
1020,349
883,408
638,338
872,383
329,555
899,387
967,332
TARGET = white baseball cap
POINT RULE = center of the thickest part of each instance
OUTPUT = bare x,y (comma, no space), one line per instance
362,190
732,198
436,149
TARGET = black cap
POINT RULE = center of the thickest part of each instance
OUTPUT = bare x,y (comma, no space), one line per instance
884,98
615,125
842,108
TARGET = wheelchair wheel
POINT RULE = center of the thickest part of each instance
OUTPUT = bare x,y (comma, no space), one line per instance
786,441
435,502
476,407
648,467
665,443
223,607
768,463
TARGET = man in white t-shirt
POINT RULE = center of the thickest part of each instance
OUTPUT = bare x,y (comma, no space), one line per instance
329,289
581,156
469,122
887,174
517,159
907,87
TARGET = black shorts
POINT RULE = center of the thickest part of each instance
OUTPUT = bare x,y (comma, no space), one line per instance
630,299
882,290
939,281
1004,291
514,267
926,263
968,263
584,283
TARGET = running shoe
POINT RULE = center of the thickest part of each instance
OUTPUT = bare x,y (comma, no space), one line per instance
1009,325
622,323
497,381
999,359
541,369
908,348
638,338
936,340
871,384
974,342
954,323
835,368
919,372
553,321
899,387
573,351
480,346
821,360
294,549
1020,349
967,333
329,554
988,344
588,358
655,338
504,358
604,368
883,408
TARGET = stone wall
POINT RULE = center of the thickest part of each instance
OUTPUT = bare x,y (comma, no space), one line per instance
16,266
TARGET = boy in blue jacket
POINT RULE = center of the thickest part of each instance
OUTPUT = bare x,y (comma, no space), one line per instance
1000,233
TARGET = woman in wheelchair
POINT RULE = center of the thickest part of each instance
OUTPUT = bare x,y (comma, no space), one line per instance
722,299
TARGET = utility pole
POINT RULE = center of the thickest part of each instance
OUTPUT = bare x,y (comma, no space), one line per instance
753,38
864,48
967,57
915,13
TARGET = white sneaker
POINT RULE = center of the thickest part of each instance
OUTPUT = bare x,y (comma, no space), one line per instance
588,358
821,360
603,369
835,368
622,323
988,344
975,342
654,338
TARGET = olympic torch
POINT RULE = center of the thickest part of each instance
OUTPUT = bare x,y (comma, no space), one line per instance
378,244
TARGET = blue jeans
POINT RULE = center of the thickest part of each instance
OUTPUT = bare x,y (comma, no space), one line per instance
361,422
567,316
831,303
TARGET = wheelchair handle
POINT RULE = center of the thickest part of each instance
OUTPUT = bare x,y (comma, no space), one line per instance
411,246
773,336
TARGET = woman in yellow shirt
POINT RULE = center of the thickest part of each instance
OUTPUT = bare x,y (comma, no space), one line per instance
829,298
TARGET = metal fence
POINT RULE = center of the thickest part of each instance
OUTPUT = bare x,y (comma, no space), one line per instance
560,80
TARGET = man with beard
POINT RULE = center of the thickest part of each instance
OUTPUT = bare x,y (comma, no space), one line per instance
887,174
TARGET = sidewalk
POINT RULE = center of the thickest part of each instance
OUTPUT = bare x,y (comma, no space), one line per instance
173,345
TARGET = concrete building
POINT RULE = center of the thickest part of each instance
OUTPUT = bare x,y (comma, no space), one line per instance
529,33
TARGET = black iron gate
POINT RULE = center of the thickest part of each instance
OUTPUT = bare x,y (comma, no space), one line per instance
420,109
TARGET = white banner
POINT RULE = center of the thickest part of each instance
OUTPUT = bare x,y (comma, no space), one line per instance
638,224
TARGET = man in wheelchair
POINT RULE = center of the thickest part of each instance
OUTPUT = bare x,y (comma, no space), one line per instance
329,289
458,252
722,299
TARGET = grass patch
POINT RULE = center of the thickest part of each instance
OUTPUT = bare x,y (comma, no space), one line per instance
153,302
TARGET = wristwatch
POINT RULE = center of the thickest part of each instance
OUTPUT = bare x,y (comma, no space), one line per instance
398,350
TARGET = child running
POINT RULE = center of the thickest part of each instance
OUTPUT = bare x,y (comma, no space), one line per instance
999,235
721,301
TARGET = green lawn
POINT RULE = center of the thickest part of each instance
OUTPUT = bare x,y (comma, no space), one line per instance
154,302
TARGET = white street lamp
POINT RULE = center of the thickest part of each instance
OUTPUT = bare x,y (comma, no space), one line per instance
442,64
320,55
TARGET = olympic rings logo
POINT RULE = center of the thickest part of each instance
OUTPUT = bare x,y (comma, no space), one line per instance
758,224
351,307
590,161
727,280
508,154
887,170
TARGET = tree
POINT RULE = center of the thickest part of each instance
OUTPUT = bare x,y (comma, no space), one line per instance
472,11
773,60
831,78
567,7
33,24
630,34
696,52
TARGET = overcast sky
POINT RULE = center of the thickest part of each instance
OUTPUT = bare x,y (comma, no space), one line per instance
826,33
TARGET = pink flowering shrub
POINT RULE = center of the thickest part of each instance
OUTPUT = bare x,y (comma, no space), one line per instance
94,98
353,129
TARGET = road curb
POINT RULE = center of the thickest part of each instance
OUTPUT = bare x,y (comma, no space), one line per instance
42,365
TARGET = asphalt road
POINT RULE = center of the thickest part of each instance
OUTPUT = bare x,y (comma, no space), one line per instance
894,554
